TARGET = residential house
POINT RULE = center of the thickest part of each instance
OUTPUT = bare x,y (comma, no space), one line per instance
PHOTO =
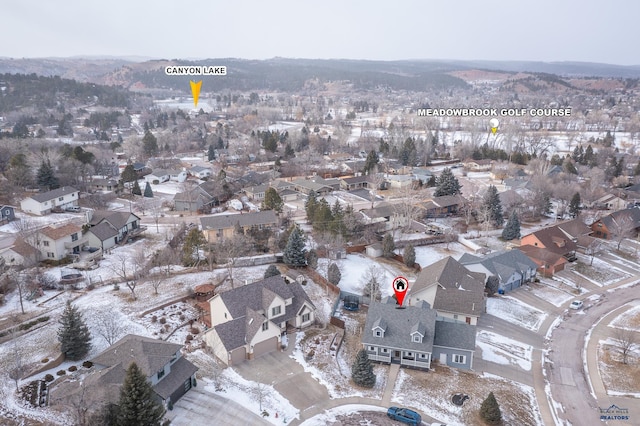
610,202
579,233
548,262
157,176
400,181
177,175
413,337
169,373
355,182
422,174
201,172
100,184
7,214
58,242
108,228
512,267
248,321
456,293
622,223
203,197
223,226
19,253
43,203
306,185
443,206
553,239
484,165
389,216
256,193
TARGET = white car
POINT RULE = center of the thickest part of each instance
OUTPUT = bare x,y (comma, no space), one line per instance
576,304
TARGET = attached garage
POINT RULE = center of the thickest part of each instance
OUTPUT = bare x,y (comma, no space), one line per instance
267,346
238,355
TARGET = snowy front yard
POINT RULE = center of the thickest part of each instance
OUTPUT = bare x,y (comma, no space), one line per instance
516,312
503,350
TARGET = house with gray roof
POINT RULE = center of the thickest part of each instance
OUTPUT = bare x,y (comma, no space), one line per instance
108,228
168,372
413,336
248,321
223,226
512,267
455,292
42,203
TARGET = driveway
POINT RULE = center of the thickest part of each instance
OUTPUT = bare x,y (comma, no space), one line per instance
199,407
286,376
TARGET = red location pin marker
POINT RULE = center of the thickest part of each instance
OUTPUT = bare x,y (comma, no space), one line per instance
400,287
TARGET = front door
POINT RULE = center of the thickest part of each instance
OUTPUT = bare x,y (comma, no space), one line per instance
443,358
396,357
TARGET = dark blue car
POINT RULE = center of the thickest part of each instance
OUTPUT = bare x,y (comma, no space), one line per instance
404,415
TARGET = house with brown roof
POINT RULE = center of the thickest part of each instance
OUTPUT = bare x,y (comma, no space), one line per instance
554,240
218,227
55,242
388,216
443,206
19,253
455,292
168,372
248,321
624,223
548,262
478,165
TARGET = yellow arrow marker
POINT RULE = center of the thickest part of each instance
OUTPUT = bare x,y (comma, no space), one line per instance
195,91
494,130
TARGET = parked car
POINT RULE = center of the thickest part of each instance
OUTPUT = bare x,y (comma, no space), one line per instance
73,209
576,304
404,415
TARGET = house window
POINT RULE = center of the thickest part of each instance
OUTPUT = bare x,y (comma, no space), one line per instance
160,374
385,350
45,243
51,255
455,316
417,339
225,315
423,356
265,325
276,311
187,384
306,317
371,348
74,237
459,359
378,333
61,198
409,353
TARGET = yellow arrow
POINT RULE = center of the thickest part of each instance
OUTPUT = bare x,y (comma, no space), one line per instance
494,130
195,91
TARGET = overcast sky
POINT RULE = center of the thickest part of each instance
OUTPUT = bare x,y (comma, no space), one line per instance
541,30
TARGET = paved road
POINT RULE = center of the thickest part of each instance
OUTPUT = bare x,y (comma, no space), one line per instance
566,372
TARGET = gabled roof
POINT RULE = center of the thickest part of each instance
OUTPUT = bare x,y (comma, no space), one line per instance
459,290
503,263
232,333
41,197
181,370
103,231
55,233
542,255
198,169
398,326
574,228
226,221
382,210
455,335
117,219
553,239
150,354
614,219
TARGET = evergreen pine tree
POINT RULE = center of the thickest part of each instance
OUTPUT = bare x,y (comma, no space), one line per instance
129,174
272,200
493,204
490,410
211,154
73,334
312,258
46,177
149,144
148,192
511,230
136,188
362,370
371,162
388,245
333,274
574,204
310,206
271,271
137,404
447,184
295,253
409,256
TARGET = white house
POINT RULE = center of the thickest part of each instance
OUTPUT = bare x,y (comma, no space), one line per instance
42,203
201,172
157,176
177,175
57,242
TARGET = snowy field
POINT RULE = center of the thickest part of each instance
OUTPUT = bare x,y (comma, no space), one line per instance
630,319
427,255
503,350
354,268
516,312
550,294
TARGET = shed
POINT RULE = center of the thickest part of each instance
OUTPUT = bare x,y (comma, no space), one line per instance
374,250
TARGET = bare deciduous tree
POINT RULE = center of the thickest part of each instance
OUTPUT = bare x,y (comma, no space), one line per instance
622,226
108,325
231,249
371,282
626,339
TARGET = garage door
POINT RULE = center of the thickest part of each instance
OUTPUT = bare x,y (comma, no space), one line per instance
265,347
238,356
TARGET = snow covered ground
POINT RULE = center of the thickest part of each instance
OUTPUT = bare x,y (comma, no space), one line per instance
503,350
426,255
331,415
630,319
354,268
549,293
515,311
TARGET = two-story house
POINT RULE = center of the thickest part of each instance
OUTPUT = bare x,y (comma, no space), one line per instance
43,203
248,321
386,215
456,293
218,227
108,228
413,336
168,372
58,242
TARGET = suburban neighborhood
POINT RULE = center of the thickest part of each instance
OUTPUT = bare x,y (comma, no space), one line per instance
319,242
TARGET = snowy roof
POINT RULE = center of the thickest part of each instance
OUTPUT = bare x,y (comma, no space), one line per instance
53,194
226,221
